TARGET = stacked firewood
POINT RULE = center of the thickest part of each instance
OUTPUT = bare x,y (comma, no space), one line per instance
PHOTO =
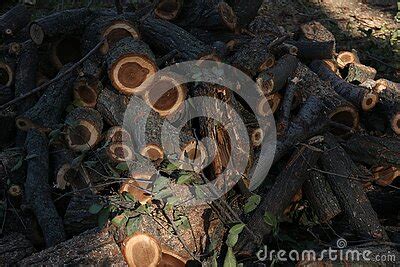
67,79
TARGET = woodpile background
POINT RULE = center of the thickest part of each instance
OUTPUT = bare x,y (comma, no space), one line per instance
68,195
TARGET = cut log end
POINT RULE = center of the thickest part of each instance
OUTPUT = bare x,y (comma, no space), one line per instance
82,136
194,154
331,65
65,174
268,63
152,152
118,152
257,136
171,259
396,123
138,190
345,58
86,92
36,32
129,73
24,124
228,15
117,134
65,50
385,176
168,9
169,102
116,32
6,74
15,191
347,116
369,101
269,104
141,250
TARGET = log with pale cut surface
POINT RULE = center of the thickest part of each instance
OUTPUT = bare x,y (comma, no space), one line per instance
130,56
275,78
360,73
345,58
168,9
61,169
60,23
359,96
86,91
83,128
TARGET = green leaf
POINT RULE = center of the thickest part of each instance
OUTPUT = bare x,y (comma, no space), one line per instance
123,166
128,197
252,203
133,225
182,222
171,167
95,208
103,217
18,165
165,193
231,240
214,260
160,183
270,219
185,179
119,220
230,260
237,228
172,200
199,192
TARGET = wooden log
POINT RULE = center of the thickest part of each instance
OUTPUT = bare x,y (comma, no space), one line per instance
126,57
345,58
7,120
309,50
60,23
350,194
358,96
77,218
144,243
374,151
385,176
335,107
61,169
6,74
320,197
6,94
112,106
168,9
254,57
165,37
37,189
25,78
389,108
207,14
13,248
65,50
210,37
100,248
245,11
315,31
272,80
383,201
276,200
112,29
14,20
284,49
47,112
165,95
84,128
382,84
360,73
86,91
262,25
269,104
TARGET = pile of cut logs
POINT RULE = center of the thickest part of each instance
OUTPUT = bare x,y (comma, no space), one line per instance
67,78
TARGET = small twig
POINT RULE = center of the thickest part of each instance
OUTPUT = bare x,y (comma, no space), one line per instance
56,79
278,41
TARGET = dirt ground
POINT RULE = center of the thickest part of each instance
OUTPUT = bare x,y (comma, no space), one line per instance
370,29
